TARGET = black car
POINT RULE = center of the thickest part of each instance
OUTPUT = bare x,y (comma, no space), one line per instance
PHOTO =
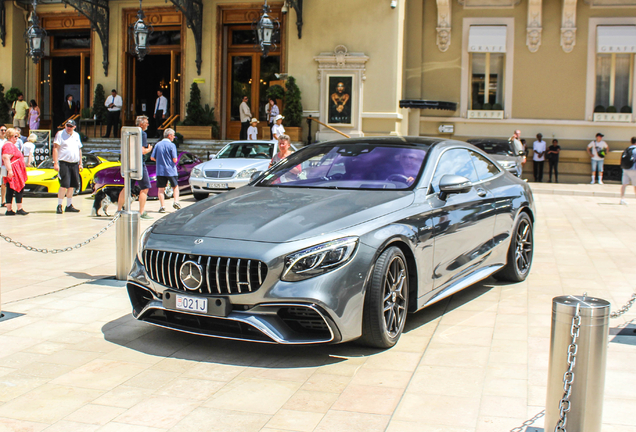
503,151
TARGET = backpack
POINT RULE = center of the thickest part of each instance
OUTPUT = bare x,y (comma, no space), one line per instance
628,158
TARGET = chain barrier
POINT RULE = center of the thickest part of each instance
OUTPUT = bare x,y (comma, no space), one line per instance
528,423
568,376
625,308
66,249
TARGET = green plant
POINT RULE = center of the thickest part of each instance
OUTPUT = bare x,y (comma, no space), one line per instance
178,139
5,117
83,137
293,111
86,112
197,115
599,109
626,109
477,106
487,107
497,107
99,107
611,109
275,92
12,94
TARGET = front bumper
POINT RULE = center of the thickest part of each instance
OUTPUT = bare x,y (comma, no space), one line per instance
203,185
324,309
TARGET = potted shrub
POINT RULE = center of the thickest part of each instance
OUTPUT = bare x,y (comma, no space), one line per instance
86,113
293,110
5,117
199,122
100,112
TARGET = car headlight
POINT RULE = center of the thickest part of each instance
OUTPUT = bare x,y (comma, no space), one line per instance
318,259
246,173
196,172
142,243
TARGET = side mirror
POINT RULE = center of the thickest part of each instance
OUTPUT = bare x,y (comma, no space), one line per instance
453,184
256,175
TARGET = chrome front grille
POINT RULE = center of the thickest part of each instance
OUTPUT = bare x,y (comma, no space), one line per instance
219,174
221,275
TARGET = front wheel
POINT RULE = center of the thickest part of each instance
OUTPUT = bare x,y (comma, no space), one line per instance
168,191
386,300
519,259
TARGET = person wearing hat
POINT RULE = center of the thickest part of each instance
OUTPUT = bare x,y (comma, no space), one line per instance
252,131
114,104
278,129
597,150
67,161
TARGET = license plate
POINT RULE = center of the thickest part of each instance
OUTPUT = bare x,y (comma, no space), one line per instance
192,304
217,185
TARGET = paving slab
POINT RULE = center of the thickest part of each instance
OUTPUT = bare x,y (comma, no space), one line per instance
73,359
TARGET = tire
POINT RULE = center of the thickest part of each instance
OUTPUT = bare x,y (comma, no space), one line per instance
168,191
200,196
386,300
519,257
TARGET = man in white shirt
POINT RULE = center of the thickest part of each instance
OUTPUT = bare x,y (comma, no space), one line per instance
245,114
538,157
67,161
597,150
159,114
114,104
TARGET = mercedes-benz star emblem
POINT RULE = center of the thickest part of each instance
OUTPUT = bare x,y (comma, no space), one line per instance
198,241
191,275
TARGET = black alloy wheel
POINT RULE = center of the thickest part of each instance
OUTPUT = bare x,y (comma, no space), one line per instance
520,252
386,300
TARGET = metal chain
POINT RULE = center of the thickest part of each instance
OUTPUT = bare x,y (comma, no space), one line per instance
568,376
527,423
625,308
66,249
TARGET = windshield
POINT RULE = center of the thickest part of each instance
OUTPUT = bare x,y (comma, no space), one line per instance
46,163
496,148
247,151
349,166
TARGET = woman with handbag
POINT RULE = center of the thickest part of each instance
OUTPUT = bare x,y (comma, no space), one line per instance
16,173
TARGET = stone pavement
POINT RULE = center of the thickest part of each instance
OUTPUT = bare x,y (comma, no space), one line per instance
73,359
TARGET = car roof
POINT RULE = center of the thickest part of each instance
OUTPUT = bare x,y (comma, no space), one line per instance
389,140
475,141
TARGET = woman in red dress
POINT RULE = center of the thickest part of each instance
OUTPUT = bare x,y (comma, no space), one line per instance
16,172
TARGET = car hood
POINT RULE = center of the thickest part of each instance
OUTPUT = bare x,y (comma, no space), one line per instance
236,164
40,174
113,174
278,215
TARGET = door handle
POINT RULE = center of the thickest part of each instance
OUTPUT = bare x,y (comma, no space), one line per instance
481,192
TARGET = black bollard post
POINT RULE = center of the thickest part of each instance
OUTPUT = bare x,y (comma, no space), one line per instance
309,127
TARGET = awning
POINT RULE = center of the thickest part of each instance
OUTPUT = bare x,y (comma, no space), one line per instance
487,39
616,39
428,104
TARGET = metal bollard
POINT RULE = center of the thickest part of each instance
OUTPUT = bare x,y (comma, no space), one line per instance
589,355
127,241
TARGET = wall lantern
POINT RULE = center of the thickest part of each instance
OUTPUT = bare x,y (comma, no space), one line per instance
266,28
141,31
34,37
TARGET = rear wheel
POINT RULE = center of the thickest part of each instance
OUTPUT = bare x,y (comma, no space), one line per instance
200,196
168,191
386,300
519,260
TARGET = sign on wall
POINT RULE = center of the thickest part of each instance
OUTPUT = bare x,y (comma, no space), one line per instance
340,99
42,145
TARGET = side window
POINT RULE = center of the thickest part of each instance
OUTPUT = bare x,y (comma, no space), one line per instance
186,159
485,168
454,162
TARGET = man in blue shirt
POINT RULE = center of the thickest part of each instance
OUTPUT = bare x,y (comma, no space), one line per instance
144,183
629,174
165,154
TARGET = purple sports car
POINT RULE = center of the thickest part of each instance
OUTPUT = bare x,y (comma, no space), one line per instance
187,161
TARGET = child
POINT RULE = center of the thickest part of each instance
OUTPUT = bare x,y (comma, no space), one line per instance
252,131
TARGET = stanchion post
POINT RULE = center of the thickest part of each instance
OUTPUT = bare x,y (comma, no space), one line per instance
580,327
127,229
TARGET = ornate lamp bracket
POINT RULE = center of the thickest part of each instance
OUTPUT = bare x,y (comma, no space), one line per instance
192,10
443,24
533,34
98,14
3,23
298,7
568,25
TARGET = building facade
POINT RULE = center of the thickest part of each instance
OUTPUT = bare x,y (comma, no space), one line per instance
563,68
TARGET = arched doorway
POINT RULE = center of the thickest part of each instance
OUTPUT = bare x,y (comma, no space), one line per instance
160,69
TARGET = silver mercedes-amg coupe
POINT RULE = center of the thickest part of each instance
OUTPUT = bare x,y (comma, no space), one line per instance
337,242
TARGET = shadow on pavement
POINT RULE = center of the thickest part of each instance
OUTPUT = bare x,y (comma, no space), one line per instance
151,340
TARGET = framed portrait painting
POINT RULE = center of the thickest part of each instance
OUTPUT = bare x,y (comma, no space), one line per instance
340,100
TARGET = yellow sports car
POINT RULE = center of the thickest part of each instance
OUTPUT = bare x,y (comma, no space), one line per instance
44,179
